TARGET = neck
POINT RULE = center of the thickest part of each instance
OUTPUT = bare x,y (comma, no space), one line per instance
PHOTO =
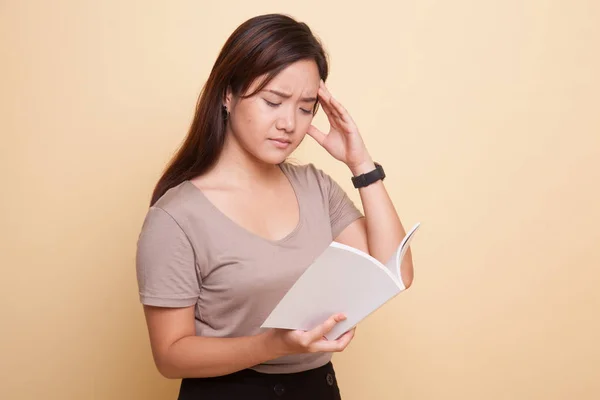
241,168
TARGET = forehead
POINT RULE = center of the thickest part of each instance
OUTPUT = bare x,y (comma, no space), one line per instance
300,76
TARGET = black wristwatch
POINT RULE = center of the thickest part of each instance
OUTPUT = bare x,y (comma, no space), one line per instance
368,178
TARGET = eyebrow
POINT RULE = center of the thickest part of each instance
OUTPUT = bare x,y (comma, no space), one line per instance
287,96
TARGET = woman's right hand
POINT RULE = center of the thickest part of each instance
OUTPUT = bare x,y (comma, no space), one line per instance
287,341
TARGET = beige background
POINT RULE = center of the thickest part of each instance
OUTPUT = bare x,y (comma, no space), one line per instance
485,115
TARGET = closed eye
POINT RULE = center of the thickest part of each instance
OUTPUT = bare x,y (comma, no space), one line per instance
272,104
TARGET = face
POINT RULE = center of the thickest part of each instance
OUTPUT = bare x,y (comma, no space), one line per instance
271,124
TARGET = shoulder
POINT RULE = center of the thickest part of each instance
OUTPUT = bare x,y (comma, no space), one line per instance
177,212
308,174
165,229
166,258
175,199
183,203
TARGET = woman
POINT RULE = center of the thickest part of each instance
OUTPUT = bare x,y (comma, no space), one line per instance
232,224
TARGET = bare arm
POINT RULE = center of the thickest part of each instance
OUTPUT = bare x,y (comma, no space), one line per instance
380,232
381,229
179,353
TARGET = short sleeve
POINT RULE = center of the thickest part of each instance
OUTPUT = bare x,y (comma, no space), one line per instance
342,210
165,263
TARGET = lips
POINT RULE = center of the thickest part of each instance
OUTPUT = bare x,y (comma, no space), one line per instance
284,141
280,143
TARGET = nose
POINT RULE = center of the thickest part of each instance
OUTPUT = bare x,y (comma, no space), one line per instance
287,120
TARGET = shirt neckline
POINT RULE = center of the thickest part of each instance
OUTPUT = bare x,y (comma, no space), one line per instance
239,227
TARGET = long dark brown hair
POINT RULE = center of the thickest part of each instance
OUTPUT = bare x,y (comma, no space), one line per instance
263,45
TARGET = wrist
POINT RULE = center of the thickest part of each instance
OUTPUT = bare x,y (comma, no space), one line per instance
362,168
272,344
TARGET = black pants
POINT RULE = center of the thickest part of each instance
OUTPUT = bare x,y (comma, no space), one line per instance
315,384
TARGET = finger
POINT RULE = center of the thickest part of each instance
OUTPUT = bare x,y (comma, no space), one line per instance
345,339
339,109
320,331
332,115
325,100
316,134
335,345
343,113
331,101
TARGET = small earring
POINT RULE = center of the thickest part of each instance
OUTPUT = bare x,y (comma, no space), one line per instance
226,113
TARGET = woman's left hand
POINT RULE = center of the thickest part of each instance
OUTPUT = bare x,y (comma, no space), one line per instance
343,141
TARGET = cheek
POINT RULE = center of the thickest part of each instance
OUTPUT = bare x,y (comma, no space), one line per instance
304,123
252,124
253,114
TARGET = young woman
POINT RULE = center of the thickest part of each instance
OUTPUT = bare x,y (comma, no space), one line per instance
232,224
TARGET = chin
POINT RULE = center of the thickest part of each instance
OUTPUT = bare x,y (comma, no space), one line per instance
272,157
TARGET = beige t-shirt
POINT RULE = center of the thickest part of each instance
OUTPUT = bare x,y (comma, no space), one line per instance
190,253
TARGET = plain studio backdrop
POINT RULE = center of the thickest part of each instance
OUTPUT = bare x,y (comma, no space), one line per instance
485,114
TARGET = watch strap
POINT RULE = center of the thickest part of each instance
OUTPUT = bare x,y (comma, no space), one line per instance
370,177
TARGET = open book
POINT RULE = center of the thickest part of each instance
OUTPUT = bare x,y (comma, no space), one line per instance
341,280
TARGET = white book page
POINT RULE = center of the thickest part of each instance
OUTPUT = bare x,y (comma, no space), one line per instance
395,261
342,279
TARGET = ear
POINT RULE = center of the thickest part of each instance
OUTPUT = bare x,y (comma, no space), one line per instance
227,99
